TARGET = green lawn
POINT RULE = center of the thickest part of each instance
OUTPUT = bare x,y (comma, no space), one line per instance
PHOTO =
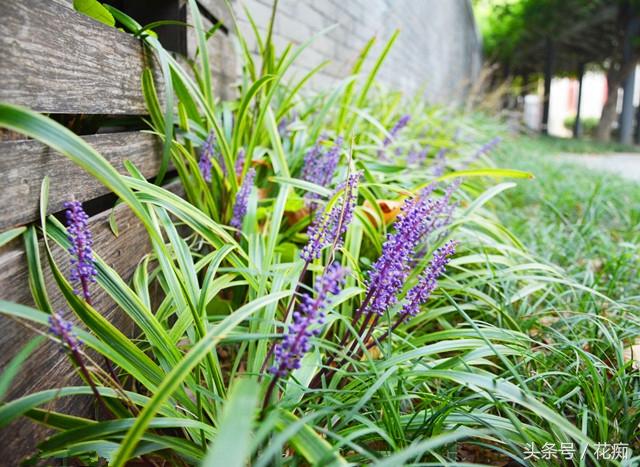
587,222
553,144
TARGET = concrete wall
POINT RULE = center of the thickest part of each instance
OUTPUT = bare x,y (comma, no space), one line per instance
438,46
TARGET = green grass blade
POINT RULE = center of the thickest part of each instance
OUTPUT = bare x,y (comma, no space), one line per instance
181,371
6,237
231,445
10,371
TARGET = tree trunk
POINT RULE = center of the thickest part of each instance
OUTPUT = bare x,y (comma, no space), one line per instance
619,70
608,116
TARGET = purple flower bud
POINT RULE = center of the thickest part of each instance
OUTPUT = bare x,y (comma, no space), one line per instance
63,330
306,321
206,153
83,269
242,199
488,147
240,162
420,293
328,228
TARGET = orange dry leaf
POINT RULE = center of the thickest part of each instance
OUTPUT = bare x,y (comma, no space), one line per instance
390,210
261,163
295,216
374,351
262,193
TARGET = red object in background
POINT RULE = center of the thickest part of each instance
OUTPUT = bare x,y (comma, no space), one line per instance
572,96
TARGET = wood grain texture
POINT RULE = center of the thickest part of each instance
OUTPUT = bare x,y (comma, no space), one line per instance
59,61
24,164
48,367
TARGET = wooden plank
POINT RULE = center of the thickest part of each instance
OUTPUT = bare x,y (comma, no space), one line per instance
66,3
25,163
48,367
58,61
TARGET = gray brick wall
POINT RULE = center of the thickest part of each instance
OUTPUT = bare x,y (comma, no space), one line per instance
438,49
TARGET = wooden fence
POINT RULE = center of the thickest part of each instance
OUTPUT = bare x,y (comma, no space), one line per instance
57,61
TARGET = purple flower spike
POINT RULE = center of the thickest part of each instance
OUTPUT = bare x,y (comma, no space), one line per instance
83,270
283,124
205,167
417,157
484,149
418,218
63,330
420,293
240,162
282,127
311,170
487,147
320,166
242,199
306,321
400,124
441,163
206,153
328,228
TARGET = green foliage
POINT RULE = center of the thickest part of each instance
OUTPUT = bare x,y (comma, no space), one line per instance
552,145
590,227
473,370
589,125
94,9
515,31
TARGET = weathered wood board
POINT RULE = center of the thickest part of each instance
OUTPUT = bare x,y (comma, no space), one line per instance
48,367
24,164
59,61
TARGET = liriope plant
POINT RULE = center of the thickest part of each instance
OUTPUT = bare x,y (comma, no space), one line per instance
335,287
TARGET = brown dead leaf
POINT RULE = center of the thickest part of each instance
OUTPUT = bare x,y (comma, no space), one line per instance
389,208
295,216
374,352
468,452
261,162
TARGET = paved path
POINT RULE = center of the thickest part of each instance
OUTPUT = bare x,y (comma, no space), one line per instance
623,164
